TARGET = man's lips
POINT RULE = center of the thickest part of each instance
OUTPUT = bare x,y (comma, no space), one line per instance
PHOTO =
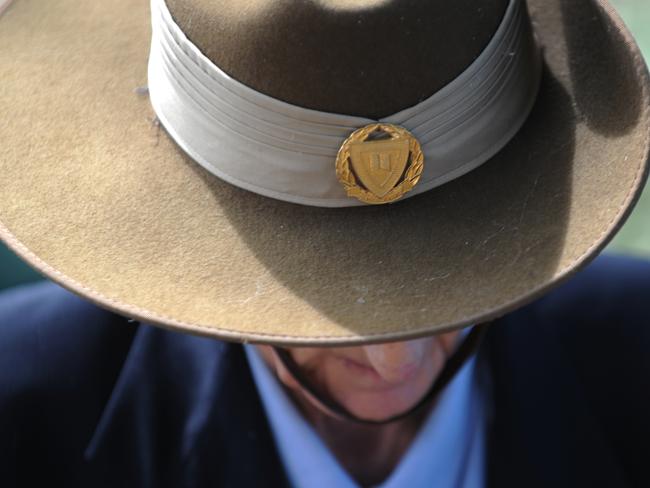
370,377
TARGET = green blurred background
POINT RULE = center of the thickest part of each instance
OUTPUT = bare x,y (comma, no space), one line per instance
634,238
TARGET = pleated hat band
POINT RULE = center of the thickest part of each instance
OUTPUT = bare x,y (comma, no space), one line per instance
298,155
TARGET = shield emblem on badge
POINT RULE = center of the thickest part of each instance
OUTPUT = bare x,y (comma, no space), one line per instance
379,165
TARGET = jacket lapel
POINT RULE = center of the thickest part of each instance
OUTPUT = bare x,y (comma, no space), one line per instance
183,412
544,431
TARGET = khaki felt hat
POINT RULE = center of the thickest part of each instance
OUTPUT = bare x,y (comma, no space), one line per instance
96,194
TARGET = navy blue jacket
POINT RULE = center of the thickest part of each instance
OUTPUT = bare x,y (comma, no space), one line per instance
88,399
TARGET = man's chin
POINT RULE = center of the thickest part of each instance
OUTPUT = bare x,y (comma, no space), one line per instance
383,405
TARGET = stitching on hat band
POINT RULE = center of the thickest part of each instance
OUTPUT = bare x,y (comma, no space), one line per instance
288,152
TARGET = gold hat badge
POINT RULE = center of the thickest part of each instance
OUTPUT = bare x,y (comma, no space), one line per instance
379,163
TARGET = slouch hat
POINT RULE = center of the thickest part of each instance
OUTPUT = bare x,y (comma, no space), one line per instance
317,172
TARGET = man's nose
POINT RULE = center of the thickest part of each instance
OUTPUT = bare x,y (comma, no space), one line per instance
397,361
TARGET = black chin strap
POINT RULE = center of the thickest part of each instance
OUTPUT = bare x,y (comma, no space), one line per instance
333,408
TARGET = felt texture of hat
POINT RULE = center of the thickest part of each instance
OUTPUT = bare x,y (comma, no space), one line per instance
95,195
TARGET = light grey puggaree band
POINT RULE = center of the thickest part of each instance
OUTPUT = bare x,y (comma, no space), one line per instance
289,153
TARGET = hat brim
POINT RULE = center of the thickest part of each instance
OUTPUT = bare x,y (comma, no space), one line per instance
97,197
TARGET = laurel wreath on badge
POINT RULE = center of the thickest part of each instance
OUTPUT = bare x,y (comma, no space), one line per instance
355,188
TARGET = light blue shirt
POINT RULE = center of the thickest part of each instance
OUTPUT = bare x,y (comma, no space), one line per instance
447,452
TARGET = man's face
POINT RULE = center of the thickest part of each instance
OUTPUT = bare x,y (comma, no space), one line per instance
373,382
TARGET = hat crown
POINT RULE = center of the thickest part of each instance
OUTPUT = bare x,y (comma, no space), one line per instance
368,58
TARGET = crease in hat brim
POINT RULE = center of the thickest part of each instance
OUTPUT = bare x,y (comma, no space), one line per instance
98,198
